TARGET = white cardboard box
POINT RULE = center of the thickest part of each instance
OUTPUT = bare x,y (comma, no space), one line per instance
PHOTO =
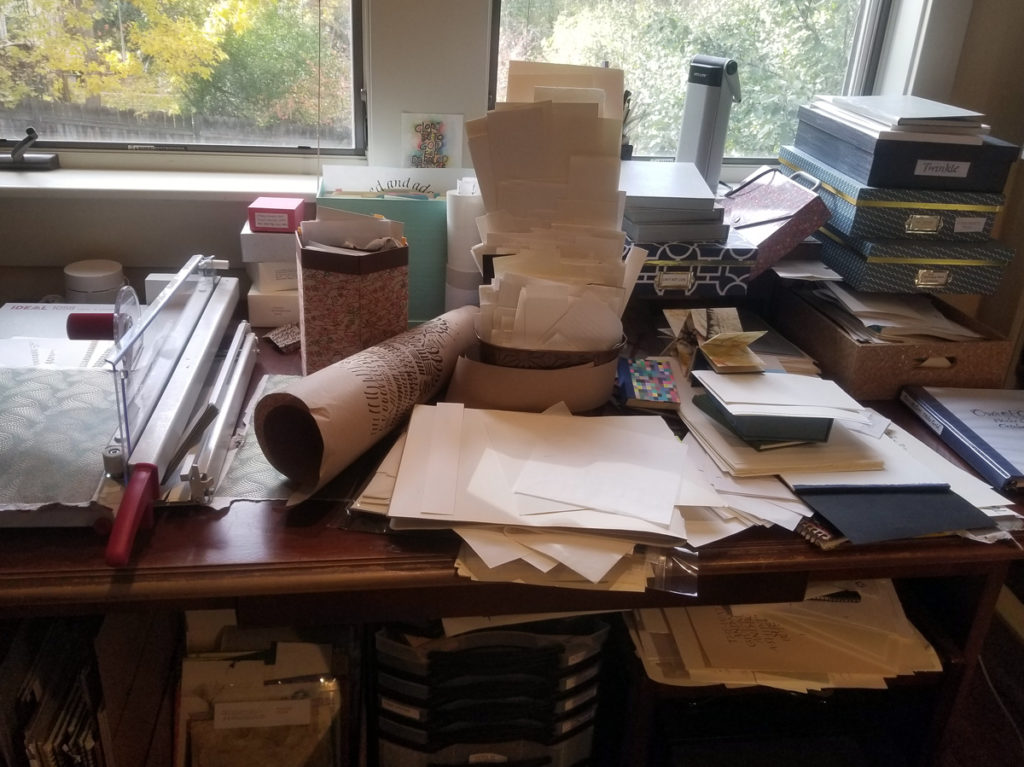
273,276
272,310
266,246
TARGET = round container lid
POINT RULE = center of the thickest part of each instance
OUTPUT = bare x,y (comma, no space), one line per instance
93,275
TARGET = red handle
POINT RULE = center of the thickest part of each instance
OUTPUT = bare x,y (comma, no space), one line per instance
90,326
136,508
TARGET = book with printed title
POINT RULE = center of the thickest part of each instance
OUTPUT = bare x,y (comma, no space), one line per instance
985,427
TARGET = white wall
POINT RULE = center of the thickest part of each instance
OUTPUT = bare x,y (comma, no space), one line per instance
924,40
428,56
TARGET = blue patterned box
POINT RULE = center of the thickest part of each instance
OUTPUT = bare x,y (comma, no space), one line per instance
697,269
880,213
901,266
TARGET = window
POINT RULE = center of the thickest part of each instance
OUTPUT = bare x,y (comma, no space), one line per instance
280,75
787,51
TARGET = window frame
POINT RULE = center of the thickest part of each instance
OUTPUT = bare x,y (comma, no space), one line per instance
285,159
907,53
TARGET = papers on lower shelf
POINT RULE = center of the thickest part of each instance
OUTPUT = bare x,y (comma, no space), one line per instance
885,318
819,643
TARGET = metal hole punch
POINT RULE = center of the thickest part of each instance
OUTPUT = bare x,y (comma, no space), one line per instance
21,159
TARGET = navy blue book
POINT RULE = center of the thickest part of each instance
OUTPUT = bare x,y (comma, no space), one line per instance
985,427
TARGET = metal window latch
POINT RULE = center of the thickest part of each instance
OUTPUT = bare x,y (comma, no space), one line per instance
21,159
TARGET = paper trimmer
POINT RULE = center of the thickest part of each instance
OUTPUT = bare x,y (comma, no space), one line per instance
163,367
130,407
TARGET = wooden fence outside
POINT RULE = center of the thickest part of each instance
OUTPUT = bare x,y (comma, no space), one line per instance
73,122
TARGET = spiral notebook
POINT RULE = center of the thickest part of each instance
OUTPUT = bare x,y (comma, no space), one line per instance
820,532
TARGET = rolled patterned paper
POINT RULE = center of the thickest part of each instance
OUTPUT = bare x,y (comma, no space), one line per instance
316,426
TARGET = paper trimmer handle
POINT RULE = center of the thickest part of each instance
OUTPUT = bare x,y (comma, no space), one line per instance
136,509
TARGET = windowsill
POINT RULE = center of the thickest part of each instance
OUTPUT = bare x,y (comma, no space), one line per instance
147,184
172,175
182,185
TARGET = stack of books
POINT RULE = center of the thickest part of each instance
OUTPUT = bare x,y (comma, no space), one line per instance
669,202
913,187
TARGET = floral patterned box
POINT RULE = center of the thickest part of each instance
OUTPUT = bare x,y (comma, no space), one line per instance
349,299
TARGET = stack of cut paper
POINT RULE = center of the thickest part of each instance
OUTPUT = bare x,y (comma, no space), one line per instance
748,501
845,449
869,479
777,407
844,634
551,241
544,498
556,499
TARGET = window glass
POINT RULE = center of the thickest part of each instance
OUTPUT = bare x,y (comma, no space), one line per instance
786,50
179,73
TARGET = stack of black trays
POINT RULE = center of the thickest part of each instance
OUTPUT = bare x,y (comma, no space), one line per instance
525,695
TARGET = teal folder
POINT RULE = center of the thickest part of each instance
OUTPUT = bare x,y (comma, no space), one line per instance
425,224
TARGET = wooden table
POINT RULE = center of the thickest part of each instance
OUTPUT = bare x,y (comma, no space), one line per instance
263,559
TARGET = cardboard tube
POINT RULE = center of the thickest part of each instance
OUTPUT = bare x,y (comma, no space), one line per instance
315,427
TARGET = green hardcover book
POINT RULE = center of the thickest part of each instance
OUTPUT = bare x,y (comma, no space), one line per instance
763,430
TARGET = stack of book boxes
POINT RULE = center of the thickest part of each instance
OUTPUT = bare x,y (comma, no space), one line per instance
913,188
268,252
526,694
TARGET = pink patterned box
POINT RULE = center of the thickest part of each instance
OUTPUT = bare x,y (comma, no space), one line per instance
774,212
349,300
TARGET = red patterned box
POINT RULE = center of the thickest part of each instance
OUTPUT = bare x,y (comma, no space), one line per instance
774,212
349,299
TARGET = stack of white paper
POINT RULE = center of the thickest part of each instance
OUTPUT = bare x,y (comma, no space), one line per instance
749,501
844,634
845,450
548,498
554,492
563,500
548,170
781,394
